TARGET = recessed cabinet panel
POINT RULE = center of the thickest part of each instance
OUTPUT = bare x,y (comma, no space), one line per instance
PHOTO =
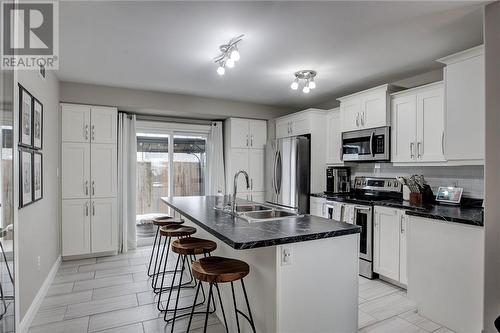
374,110
75,227
283,129
75,170
104,225
258,134
103,170
351,114
334,138
240,137
256,169
404,113
239,161
104,124
386,243
403,250
430,125
76,123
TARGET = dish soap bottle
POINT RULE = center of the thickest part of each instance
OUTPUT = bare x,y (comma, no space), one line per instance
219,200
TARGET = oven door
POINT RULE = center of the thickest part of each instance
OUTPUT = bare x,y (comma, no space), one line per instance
363,218
366,145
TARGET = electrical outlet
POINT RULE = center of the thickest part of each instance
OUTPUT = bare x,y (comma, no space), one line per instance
286,256
38,263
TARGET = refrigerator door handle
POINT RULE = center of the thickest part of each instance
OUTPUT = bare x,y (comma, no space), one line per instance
278,179
274,172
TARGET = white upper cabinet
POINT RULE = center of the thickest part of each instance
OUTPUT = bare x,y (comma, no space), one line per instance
247,133
245,140
104,124
334,138
296,124
75,170
465,107
366,109
103,170
76,123
418,125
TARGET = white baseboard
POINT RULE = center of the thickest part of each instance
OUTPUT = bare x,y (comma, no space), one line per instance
37,301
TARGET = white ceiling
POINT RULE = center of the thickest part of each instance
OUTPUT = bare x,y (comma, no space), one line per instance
169,46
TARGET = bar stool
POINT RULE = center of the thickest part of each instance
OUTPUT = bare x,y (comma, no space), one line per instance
187,249
177,230
214,270
160,222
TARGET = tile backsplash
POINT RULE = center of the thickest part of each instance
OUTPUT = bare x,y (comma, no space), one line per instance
470,178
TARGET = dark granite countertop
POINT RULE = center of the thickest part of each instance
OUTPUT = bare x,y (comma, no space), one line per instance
457,214
240,234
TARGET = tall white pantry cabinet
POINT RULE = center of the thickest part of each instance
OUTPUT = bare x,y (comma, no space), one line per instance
89,179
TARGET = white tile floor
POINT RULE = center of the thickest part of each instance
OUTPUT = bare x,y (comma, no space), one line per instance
113,294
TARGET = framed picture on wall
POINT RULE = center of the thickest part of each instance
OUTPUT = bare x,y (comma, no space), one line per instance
37,124
37,176
25,117
25,177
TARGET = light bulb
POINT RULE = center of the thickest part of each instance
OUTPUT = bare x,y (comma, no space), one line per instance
235,55
312,84
221,70
230,63
295,84
306,89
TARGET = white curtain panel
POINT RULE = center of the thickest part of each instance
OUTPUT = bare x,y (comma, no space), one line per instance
127,159
215,160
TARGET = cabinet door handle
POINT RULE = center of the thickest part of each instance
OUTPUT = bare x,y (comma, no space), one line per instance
93,133
93,208
86,131
251,183
401,224
251,140
247,140
86,187
363,118
411,150
87,208
442,143
419,155
93,188
357,119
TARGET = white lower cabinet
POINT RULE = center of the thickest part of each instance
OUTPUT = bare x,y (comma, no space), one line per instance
389,243
317,206
104,225
76,227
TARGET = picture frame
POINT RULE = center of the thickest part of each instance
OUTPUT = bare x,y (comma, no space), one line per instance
25,177
37,124
25,117
37,176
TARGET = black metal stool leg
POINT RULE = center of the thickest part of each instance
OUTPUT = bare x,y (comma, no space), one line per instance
208,308
177,298
153,251
194,305
222,307
170,289
154,279
6,263
235,307
248,306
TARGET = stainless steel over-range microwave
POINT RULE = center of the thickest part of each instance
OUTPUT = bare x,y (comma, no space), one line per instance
367,145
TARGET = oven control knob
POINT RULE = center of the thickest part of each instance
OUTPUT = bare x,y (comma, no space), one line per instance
396,184
389,184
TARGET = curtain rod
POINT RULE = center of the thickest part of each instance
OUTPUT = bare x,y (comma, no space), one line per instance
169,119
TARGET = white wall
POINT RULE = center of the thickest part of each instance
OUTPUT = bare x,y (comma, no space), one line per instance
159,103
492,176
471,178
38,225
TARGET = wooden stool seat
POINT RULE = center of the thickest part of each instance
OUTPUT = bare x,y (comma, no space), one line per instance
167,220
193,245
219,269
177,231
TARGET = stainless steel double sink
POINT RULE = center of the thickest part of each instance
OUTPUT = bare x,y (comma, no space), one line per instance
262,213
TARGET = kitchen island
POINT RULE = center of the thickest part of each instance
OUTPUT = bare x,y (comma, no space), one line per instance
303,270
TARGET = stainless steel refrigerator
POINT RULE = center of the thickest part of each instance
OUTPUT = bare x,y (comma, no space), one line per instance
288,173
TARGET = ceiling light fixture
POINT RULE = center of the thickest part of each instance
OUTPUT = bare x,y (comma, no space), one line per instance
229,55
306,75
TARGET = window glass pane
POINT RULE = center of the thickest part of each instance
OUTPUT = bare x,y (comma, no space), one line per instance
189,165
152,175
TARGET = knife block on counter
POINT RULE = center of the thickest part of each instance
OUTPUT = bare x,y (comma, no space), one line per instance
415,198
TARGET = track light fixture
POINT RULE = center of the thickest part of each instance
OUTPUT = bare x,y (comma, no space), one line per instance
306,76
229,55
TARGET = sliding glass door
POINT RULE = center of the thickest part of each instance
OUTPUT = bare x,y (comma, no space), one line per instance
169,163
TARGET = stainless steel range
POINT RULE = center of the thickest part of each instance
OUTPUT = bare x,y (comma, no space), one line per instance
357,208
